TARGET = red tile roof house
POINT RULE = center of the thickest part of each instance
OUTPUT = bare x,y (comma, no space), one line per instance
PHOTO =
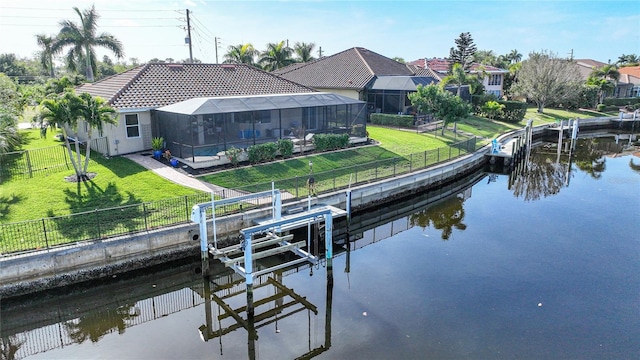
631,75
361,74
492,82
203,109
624,85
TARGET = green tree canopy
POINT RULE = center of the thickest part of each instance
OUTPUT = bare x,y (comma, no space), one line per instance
544,78
464,51
303,51
276,56
241,54
441,103
83,39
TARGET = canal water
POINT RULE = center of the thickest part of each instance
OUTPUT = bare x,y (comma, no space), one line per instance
542,265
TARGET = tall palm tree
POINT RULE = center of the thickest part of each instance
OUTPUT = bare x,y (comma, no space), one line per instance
83,39
9,136
46,56
96,112
303,51
276,56
514,56
64,111
240,54
458,77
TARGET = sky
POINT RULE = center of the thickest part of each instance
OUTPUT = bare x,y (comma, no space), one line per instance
599,30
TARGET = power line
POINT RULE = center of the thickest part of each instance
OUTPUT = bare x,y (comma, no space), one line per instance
65,9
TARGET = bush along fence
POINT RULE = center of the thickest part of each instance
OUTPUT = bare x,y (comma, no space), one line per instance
47,233
29,163
299,187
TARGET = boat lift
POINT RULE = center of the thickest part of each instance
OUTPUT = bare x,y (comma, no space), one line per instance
265,235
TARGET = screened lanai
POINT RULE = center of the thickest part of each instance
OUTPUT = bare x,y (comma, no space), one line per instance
204,127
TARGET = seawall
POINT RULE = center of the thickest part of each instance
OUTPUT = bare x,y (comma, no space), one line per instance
87,261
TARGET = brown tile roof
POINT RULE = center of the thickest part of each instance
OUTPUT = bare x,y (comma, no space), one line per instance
154,85
441,66
428,73
350,69
590,63
630,70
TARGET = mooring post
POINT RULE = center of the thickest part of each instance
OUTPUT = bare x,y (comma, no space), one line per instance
328,231
248,261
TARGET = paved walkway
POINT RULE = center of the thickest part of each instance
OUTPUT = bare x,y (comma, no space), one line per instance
172,174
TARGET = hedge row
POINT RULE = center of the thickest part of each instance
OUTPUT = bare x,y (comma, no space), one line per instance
324,142
392,120
513,111
621,101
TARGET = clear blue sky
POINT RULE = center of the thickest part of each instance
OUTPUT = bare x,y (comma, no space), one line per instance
600,30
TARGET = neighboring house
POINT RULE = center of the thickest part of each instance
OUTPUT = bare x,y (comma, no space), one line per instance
623,87
361,74
492,82
631,75
202,109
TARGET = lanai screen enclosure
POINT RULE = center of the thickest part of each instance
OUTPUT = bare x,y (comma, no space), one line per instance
204,127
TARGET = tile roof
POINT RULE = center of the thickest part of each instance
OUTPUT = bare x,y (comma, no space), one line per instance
590,63
630,70
154,85
350,69
441,66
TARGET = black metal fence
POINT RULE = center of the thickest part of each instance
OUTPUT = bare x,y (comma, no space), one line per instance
299,187
43,161
46,233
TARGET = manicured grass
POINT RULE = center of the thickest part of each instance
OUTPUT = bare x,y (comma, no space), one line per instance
553,115
297,167
30,139
407,142
486,128
119,181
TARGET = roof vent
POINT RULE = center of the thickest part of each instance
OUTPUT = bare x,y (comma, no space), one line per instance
175,67
229,66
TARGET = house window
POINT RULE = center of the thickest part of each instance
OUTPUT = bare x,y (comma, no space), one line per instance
495,79
133,125
494,92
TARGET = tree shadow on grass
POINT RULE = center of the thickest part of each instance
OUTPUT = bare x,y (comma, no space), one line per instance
6,202
99,213
119,166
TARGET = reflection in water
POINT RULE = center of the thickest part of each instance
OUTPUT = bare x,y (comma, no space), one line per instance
95,325
9,346
545,172
443,215
282,302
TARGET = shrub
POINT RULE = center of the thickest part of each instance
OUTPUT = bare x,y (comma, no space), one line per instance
621,101
233,154
392,120
262,152
492,109
601,107
477,101
285,147
324,142
514,111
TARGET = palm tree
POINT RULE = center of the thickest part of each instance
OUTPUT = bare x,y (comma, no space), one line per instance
46,56
276,56
514,56
610,74
241,54
303,51
83,39
96,112
9,137
63,111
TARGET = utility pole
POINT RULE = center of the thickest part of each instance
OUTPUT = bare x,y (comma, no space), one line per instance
189,37
320,51
571,55
215,39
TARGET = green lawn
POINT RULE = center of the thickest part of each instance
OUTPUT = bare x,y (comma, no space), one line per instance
119,181
555,115
407,142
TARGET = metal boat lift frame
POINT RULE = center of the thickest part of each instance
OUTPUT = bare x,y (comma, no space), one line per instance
270,227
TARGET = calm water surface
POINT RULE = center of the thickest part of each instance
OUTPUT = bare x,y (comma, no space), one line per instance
548,269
